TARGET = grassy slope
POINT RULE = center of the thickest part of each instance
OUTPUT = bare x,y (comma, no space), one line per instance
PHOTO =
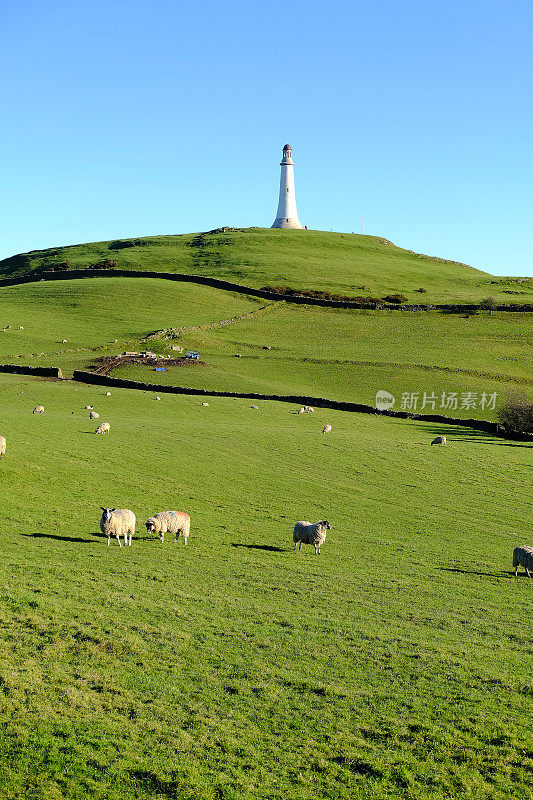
302,259
346,355
395,665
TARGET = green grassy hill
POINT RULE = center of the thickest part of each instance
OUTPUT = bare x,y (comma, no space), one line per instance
348,264
332,353
395,665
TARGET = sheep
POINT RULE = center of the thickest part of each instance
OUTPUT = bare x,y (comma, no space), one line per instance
326,428
309,409
104,427
175,522
157,397
117,521
89,408
205,404
94,415
2,446
306,533
301,411
254,406
38,410
108,394
439,440
523,557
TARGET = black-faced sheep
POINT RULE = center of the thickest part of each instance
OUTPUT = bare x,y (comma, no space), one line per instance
439,440
2,446
175,522
117,522
38,410
104,427
326,428
307,533
523,557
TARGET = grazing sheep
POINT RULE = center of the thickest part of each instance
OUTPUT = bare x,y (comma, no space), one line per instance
108,394
301,411
205,404
254,406
326,428
309,409
306,533
175,522
104,427
117,522
157,397
523,557
89,408
2,446
38,410
94,415
439,440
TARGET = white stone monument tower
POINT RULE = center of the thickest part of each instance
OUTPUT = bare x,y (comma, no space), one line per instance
287,216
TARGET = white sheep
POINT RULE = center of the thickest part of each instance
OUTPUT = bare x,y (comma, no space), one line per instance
309,409
523,557
108,394
301,410
205,404
326,428
254,406
94,415
157,397
117,522
439,440
38,410
2,446
306,533
175,522
89,408
104,427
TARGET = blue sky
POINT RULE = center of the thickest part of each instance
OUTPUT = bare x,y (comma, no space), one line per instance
134,118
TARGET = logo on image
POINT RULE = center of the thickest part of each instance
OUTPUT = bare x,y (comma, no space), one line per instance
384,400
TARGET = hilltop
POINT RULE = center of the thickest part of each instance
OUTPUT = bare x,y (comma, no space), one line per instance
348,264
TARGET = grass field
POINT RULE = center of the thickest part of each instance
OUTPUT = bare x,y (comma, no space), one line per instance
331,353
396,665
349,264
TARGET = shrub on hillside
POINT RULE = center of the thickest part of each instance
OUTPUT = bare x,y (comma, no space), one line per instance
107,263
488,304
395,298
61,267
516,414
320,294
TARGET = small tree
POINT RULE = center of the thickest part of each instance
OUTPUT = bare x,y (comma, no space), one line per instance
516,414
488,304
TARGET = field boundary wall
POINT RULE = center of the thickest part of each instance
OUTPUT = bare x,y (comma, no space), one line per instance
317,402
218,283
43,372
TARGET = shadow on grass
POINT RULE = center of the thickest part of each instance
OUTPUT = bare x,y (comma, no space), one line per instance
270,548
502,574
465,435
58,538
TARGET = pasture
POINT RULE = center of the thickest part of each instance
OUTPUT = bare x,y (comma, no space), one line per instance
344,263
332,353
396,665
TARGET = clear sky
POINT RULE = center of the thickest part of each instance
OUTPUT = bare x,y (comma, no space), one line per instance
133,117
